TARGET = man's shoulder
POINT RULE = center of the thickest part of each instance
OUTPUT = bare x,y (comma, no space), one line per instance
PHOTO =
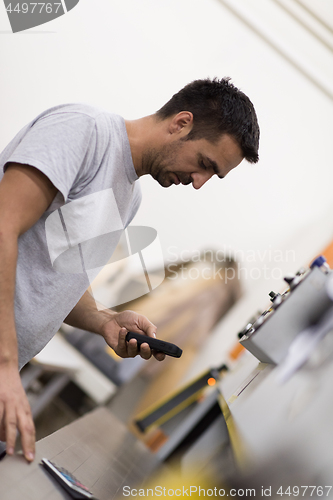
83,109
78,117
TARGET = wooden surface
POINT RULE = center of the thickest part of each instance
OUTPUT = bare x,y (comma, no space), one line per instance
98,449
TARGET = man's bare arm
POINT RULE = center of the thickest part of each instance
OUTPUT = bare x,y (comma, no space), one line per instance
25,194
86,316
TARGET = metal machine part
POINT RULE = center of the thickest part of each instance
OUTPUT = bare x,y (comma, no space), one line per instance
308,297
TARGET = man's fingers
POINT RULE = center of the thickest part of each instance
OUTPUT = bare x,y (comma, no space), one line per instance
10,427
24,423
126,349
145,351
132,348
130,321
151,331
15,413
27,431
122,348
159,355
146,326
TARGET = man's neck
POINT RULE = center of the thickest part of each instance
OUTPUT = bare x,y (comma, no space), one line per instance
142,135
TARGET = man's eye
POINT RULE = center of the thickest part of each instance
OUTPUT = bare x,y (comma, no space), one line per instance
202,165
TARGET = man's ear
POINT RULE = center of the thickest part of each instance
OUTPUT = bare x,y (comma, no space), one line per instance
181,123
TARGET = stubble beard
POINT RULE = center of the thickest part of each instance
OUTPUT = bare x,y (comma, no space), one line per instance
157,161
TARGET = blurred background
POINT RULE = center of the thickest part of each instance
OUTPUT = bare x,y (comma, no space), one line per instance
130,57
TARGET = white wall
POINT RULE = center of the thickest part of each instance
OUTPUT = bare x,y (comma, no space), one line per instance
130,56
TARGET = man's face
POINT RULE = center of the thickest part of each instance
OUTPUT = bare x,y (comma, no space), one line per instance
186,162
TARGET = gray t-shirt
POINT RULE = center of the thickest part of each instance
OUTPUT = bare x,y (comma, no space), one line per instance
85,153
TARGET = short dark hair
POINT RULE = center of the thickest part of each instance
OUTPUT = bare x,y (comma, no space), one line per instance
218,107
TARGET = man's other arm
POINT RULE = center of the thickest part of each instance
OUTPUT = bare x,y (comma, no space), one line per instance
25,194
113,327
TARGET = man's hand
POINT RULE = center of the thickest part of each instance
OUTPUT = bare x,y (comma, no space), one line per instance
15,412
114,327
114,332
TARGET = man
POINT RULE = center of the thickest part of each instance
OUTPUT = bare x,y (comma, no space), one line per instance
62,163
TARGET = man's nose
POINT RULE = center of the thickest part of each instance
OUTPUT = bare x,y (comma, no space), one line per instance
199,179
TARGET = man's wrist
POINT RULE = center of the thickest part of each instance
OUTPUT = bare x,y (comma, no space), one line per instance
8,351
8,359
93,320
89,315
102,318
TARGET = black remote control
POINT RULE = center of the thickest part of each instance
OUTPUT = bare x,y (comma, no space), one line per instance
76,489
156,344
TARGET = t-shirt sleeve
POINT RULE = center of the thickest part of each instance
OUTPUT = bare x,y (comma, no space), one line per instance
58,145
